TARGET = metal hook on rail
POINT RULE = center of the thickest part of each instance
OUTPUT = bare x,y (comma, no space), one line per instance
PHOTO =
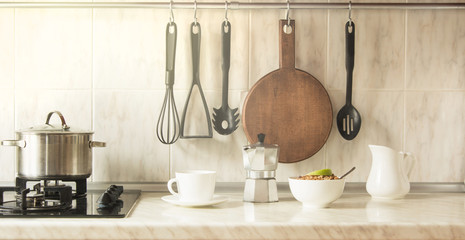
287,13
226,11
195,12
171,13
350,13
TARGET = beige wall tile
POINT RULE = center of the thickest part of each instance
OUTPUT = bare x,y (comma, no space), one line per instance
127,120
379,49
129,47
53,48
264,48
434,133
33,105
7,93
310,42
7,132
382,124
7,48
435,50
211,51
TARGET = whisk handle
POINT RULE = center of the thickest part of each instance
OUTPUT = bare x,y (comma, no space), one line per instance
171,34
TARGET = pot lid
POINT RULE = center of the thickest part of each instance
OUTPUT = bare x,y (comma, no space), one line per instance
54,129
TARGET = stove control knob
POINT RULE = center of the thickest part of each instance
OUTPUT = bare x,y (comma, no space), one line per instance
105,200
110,196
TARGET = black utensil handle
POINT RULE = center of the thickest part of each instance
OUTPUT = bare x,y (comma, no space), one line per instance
195,44
226,53
171,35
350,55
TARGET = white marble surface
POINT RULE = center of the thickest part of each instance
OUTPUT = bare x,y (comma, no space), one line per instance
353,216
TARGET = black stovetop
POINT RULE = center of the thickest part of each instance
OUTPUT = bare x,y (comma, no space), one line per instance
85,206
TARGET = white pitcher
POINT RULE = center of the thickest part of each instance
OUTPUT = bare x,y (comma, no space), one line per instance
389,173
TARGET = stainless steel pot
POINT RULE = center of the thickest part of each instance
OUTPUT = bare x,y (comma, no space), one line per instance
53,152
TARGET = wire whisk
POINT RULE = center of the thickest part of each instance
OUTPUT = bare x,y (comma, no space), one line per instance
168,125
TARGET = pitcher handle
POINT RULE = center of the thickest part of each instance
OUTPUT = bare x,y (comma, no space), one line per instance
411,161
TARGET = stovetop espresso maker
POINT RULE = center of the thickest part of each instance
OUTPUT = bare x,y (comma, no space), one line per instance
260,163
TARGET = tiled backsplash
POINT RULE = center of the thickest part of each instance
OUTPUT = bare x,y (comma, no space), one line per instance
104,70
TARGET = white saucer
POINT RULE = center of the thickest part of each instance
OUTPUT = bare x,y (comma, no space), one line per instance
175,200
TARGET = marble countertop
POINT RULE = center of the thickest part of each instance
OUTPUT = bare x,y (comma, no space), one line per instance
353,216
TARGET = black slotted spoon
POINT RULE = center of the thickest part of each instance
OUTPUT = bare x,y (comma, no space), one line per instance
348,118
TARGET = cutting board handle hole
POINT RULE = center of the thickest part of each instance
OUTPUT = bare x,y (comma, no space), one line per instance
287,29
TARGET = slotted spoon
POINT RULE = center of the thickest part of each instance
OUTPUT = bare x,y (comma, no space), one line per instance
348,118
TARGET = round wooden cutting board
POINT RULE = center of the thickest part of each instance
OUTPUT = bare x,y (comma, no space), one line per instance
288,105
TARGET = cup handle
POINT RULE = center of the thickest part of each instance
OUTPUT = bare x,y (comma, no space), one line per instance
170,186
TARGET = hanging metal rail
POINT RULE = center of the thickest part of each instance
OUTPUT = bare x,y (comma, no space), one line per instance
235,5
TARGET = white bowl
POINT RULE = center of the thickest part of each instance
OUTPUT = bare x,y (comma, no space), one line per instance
316,193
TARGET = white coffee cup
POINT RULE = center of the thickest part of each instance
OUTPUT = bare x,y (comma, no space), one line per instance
193,185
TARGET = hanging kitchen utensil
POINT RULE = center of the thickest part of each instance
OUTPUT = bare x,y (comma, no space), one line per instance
195,42
348,118
168,124
225,119
289,105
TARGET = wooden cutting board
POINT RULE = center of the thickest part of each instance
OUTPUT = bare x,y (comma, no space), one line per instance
288,105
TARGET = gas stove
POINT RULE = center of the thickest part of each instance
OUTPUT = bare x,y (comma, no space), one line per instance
36,198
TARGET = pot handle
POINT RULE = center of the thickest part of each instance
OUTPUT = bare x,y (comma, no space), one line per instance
15,143
63,122
97,144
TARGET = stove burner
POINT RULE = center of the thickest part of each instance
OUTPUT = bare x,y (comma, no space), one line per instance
34,200
45,196
80,190
38,200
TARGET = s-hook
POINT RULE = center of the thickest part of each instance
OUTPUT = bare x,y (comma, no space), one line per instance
171,13
195,12
350,13
226,11
287,14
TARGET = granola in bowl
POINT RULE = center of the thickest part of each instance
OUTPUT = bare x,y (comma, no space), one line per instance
318,177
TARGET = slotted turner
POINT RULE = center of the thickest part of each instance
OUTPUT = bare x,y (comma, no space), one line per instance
348,118
195,43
